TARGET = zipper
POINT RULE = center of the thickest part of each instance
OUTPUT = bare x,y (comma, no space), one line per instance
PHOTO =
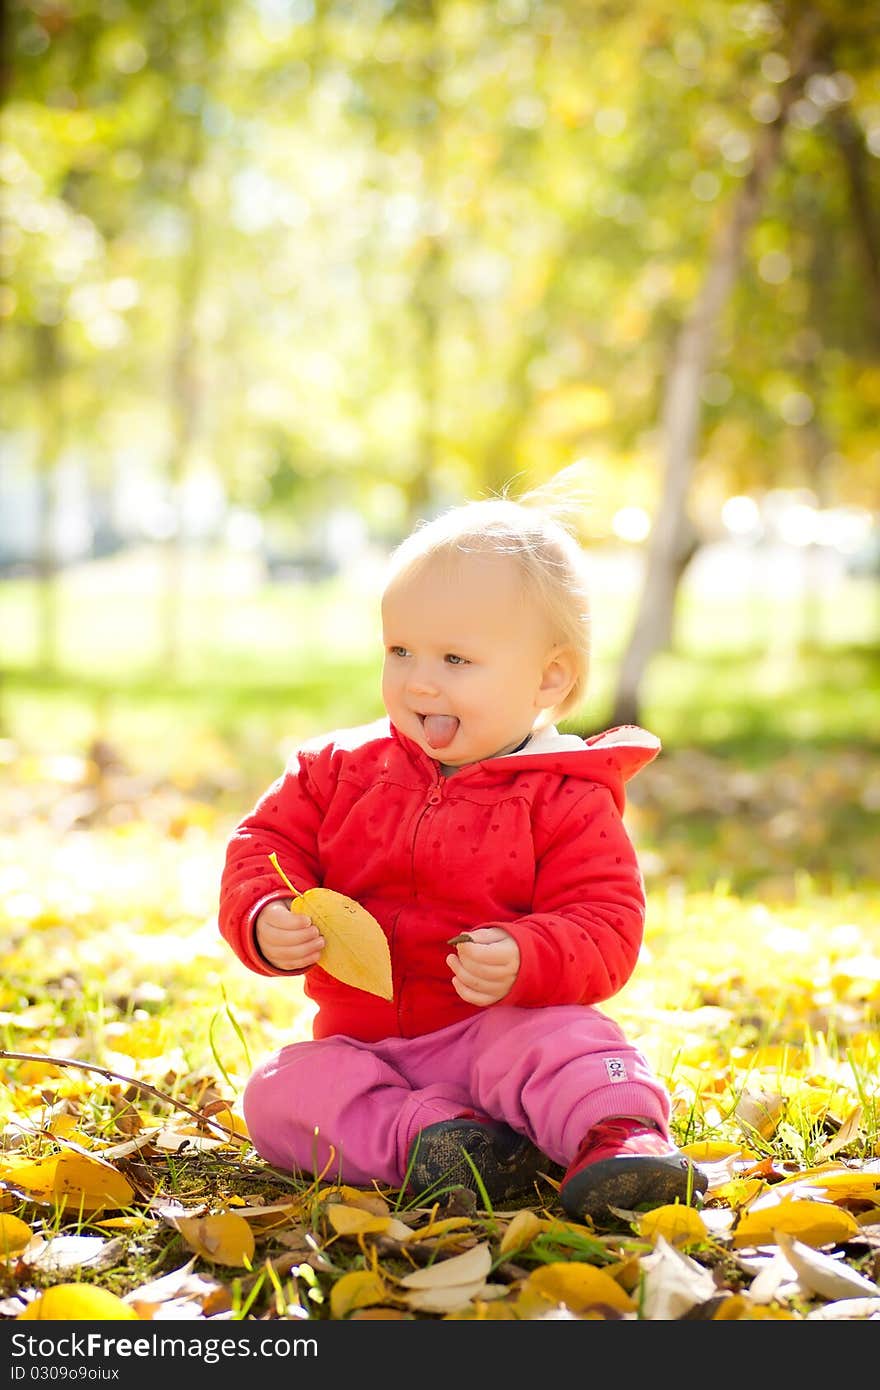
434,797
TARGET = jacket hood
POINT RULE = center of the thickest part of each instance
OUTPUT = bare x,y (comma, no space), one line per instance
611,758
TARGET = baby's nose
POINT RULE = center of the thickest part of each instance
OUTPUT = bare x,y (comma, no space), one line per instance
422,683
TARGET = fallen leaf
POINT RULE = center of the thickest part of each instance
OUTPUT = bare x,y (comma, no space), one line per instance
482,1311
849,1131
522,1231
356,949
740,1308
224,1239
714,1151
776,1278
177,1138
815,1222
672,1283
359,1289
78,1303
229,1120
82,1181
760,1112
845,1184
181,1285
271,1215
822,1275
444,1299
473,1265
848,1308
574,1286
74,1252
445,1226
357,1197
680,1225
354,1221
14,1236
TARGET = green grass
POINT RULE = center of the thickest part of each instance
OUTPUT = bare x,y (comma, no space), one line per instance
259,667
756,830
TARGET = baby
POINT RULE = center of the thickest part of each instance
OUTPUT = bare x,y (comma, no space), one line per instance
491,849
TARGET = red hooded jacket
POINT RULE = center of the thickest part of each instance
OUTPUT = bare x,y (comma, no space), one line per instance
532,841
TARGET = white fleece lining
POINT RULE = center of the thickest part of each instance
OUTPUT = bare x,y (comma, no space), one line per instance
548,740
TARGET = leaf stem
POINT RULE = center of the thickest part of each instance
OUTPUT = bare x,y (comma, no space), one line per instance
273,860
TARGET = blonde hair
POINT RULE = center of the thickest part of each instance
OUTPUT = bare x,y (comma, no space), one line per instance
538,531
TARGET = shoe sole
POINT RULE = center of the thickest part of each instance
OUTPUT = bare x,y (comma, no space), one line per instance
630,1183
439,1163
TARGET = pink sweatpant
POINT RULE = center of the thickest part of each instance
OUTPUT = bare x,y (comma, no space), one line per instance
350,1110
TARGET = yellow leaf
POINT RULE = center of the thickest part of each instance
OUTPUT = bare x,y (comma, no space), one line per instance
439,1228
224,1239
572,1286
849,1130
814,1223
90,1183
126,1223
33,1175
14,1236
739,1192
70,1179
760,1112
521,1231
356,950
714,1150
230,1120
845,1184
360,1289
354,1221
481,1311
78,1303
739,1308
64,1126
678,1224
357,1197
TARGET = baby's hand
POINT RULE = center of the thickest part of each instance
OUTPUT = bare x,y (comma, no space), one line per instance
288,940
485,967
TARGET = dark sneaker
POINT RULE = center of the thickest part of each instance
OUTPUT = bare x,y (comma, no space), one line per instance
628,1164
507,1162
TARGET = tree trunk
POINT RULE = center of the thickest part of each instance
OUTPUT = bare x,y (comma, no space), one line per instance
672,542
866,222
865,218
184,390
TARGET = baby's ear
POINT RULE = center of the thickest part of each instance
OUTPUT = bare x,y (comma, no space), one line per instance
560,674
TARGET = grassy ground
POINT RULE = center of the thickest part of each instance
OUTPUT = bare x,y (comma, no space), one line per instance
757,997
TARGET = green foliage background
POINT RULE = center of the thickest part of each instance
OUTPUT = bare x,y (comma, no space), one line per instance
400,251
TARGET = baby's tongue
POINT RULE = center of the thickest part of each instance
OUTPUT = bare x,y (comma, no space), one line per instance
440,729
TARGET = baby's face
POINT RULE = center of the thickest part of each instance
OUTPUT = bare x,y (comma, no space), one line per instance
467,654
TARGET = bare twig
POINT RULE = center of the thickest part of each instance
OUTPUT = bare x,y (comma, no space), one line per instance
110,1075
